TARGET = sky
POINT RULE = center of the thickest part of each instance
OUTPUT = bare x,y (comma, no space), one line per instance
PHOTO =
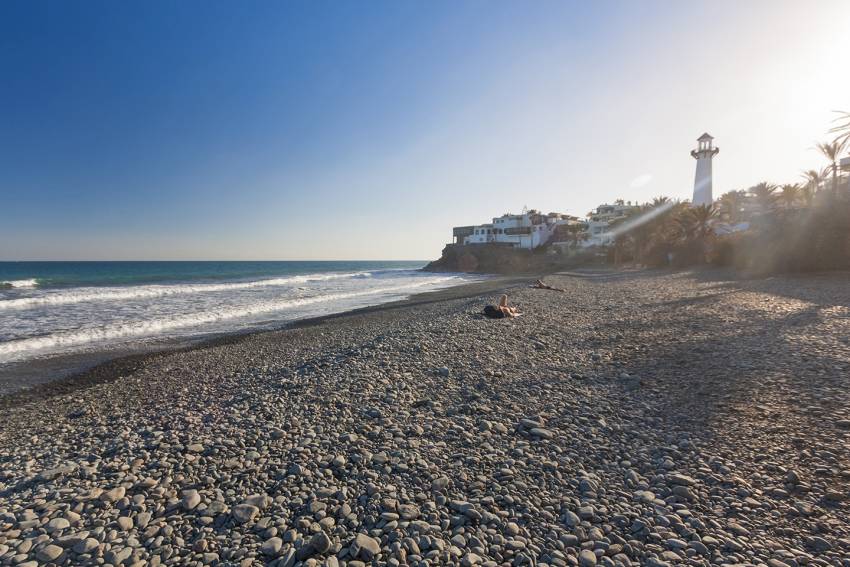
366,130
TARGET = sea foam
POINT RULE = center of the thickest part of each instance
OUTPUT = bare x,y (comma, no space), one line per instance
24,348
86,294
19,283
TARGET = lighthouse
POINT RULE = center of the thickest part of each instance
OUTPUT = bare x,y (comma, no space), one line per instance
702,180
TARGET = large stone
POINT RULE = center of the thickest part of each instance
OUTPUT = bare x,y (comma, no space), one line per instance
271,546
261,501
571,519
244,513
681,479
70,540
541,432
684,492
86,546
113,495
118,556
143,519
48,553
190,500
125,523
52,474
321,542
586,558
365,547
58,524
408,511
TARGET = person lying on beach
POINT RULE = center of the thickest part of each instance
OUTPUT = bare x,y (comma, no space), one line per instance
540,285
502,310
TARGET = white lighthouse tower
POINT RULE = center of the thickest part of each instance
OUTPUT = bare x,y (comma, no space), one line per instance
702,180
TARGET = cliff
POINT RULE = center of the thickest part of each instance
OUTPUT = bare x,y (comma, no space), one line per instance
495,259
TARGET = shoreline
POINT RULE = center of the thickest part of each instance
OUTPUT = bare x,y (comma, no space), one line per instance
102,366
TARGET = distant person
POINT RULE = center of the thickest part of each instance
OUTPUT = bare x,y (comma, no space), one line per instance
540,285
502,310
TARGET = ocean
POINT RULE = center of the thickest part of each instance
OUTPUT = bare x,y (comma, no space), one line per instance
61,308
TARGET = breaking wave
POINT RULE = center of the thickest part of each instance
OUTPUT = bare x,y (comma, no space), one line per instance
20,349
19,283
81,295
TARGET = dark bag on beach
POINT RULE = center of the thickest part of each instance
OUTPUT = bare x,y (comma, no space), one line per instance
494,312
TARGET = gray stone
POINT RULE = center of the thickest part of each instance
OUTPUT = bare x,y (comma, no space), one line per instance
48,553
272,546
190,499
58,524
586,558
365,547
244,512
113,495
86,546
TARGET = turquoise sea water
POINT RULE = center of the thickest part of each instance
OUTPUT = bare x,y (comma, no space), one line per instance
54,308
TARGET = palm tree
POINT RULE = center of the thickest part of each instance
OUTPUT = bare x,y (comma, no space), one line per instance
626,235
666,227
731,203
843,129
621,242
807,195
813,178
701,220
832,152
695,225
765,195
790,194
641,233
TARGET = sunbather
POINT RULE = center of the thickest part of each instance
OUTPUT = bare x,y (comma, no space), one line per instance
540,285
502,310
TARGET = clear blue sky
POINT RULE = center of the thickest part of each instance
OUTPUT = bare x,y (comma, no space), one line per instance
346,130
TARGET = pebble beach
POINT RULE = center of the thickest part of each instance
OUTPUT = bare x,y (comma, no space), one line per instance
645,418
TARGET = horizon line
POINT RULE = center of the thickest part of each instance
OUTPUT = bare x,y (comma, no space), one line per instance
195,260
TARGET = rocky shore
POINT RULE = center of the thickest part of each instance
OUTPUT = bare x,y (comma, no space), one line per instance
634,419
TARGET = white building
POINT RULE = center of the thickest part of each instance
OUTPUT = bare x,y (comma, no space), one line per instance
704,153
527,230
725,228
599,222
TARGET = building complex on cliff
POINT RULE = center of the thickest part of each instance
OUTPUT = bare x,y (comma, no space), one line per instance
527,230
600,221
532,229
